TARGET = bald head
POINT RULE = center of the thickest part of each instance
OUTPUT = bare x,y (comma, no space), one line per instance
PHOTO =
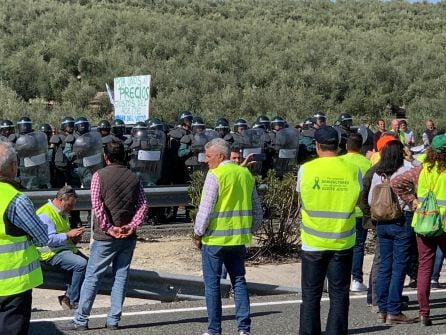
8,160
395,125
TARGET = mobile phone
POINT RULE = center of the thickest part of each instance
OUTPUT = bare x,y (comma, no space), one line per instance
259,157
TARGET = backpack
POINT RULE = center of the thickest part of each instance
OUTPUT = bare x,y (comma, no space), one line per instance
384,205
428,222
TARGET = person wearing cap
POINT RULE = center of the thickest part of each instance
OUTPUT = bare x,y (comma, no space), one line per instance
412,187
20,232
61,251
384,139
119,207
329,187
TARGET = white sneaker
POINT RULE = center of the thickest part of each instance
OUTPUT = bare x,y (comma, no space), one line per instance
357,286
244,332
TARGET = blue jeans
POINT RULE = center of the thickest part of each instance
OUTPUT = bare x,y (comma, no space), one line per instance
336,266
213,257
102,254
76,263
395,240
437,265
358,251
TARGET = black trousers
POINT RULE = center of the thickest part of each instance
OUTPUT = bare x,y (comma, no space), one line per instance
15,313
336,266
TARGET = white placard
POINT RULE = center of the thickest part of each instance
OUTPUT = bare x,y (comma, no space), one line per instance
34,160
92,160
132,98
287,153
248,151
144,155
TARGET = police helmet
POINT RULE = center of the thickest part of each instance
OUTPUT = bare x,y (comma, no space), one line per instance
263,119
240,123
25,125
277,121
345,119
156,124
118,128
140,129
319,118
258,124
197,123
308,123
222,123
6,128
46,128
104,125
185,117
82,125
67,124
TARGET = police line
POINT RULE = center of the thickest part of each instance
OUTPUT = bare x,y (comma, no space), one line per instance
157,196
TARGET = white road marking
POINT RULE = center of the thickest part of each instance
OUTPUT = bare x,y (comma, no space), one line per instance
195,309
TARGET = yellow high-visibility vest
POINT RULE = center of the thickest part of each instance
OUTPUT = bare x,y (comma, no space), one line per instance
364,164
231,220
426,180
19,260
62,225
329,190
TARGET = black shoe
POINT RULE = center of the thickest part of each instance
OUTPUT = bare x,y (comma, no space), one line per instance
112,327
435,285
426,321
64,301
74,326
413,283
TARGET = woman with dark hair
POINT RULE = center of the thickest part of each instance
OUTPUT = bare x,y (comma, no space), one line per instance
430,176
394,240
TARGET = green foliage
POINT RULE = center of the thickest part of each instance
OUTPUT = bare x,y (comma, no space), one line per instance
279,233
194,190
233,58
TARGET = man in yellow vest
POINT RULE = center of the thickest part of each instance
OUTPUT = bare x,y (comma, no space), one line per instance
353,155
61,250
229,211
329,187
20,231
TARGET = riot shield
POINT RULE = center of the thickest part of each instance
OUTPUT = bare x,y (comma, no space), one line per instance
253,144
197,162
88,151
34,169
367,137
147,153
287,143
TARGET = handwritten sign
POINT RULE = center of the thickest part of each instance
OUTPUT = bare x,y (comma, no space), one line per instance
132,98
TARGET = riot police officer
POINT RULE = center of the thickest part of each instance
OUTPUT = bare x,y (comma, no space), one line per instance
47,130
118,129
6,130
192,146
222,127
62,173
307,144
84,150
263,120
343,125
319,120
176,169
32,150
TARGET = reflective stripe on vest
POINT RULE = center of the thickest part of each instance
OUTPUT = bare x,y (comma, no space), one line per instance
328,235
230,214
19,246
328,214
426,180
7,274
329,190
19,261
231,221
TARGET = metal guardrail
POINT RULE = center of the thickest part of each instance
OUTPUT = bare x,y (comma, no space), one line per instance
161,286
159,196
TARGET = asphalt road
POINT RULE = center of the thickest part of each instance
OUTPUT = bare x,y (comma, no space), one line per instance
272,315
